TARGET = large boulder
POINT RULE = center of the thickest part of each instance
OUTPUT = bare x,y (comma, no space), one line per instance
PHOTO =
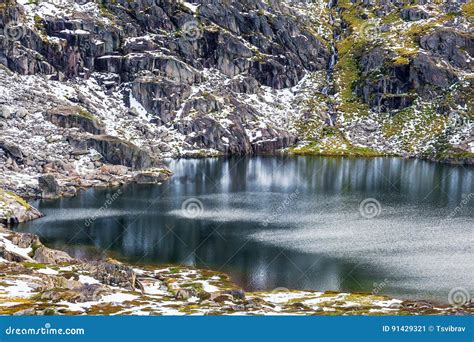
152,176
16,247
72,117
5,112
13,209
113,274
49,186
25,240
11,256
120,152
414,14
11,150
47,255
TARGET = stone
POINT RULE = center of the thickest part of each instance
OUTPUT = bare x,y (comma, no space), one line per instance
236,293
13,209
118,170
79,147
119,152
25,240
221,297
413,14
71,117
49,186
185,294
150,177
70,191
12,150
22,113
50,256
90,292
114,274
11,256
5,112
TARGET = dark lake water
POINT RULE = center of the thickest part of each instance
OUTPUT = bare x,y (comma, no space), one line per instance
286,222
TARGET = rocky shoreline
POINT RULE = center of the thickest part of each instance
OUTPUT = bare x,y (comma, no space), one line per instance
37,280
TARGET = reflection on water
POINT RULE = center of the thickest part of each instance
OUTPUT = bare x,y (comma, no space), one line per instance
287,222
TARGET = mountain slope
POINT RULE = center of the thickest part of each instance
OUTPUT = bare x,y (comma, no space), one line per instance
93,83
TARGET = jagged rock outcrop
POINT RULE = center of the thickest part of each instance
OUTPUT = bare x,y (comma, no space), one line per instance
119,152
414,14
388,85
456,47
69,118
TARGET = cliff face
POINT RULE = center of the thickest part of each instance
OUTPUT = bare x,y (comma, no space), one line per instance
165,78
200,72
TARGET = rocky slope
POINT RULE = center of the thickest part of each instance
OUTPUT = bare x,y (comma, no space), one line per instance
37,280
91,92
